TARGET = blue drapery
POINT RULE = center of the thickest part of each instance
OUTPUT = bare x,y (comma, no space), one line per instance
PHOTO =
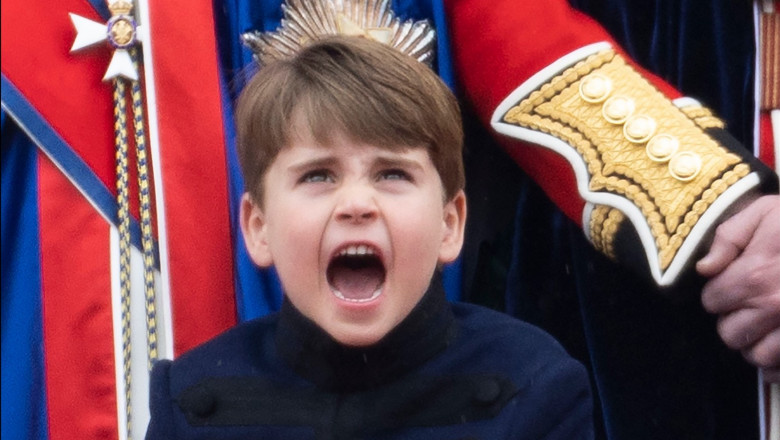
23,390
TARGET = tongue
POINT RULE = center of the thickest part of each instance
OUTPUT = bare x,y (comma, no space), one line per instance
356,281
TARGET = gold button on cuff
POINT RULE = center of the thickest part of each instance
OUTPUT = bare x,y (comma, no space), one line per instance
595,88
661,147
639,128
617,109
685,166
670,208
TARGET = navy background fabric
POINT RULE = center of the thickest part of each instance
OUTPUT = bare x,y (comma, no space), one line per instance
659,369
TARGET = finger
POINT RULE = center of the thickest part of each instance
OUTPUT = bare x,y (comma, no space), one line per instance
753,275
765,354
722,251
733,236
745,327
771,375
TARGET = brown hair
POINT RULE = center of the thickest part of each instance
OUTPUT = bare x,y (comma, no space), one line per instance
366,90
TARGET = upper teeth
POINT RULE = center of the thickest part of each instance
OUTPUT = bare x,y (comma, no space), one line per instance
357,250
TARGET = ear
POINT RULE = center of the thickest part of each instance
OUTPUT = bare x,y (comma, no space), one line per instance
454,228
254,229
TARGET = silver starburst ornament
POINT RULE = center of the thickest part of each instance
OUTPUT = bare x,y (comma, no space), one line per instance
309,20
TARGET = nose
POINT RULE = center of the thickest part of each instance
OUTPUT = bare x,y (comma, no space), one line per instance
356,204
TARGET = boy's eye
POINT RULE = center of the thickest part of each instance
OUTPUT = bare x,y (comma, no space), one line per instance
317,176
394,174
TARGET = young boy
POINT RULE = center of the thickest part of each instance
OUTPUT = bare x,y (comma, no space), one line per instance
351,153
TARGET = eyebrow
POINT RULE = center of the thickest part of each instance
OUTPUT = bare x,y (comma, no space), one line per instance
319,162
400,162
380,161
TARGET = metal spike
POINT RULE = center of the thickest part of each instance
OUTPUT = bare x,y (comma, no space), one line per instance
308,20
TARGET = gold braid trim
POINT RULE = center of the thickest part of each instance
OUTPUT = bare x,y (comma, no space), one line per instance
604,224
671,197
703,117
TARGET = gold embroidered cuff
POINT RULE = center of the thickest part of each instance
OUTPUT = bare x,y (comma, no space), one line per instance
637,155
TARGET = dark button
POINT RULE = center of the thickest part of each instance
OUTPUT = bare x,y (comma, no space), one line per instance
487,391
199,402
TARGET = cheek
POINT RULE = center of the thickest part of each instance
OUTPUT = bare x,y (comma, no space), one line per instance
294,239
295,259
418,237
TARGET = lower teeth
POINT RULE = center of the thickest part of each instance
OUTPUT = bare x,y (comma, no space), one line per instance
357,300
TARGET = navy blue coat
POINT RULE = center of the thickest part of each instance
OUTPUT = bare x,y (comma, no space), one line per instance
446,372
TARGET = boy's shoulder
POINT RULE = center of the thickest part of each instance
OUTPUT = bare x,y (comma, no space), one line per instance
487,339
239,350
480,319
546,389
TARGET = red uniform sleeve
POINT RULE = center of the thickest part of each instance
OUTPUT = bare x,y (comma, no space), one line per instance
499,44
640,168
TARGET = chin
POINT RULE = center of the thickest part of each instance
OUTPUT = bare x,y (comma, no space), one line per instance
358,337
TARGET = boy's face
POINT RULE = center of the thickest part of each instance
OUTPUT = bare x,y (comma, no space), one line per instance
354,231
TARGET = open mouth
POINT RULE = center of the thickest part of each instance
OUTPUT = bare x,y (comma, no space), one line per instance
356,273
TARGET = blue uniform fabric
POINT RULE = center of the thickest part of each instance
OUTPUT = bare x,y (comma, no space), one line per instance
448,371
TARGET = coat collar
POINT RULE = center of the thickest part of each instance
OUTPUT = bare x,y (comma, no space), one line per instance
316,356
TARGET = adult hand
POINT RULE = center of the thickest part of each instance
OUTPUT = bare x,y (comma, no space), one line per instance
743,265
